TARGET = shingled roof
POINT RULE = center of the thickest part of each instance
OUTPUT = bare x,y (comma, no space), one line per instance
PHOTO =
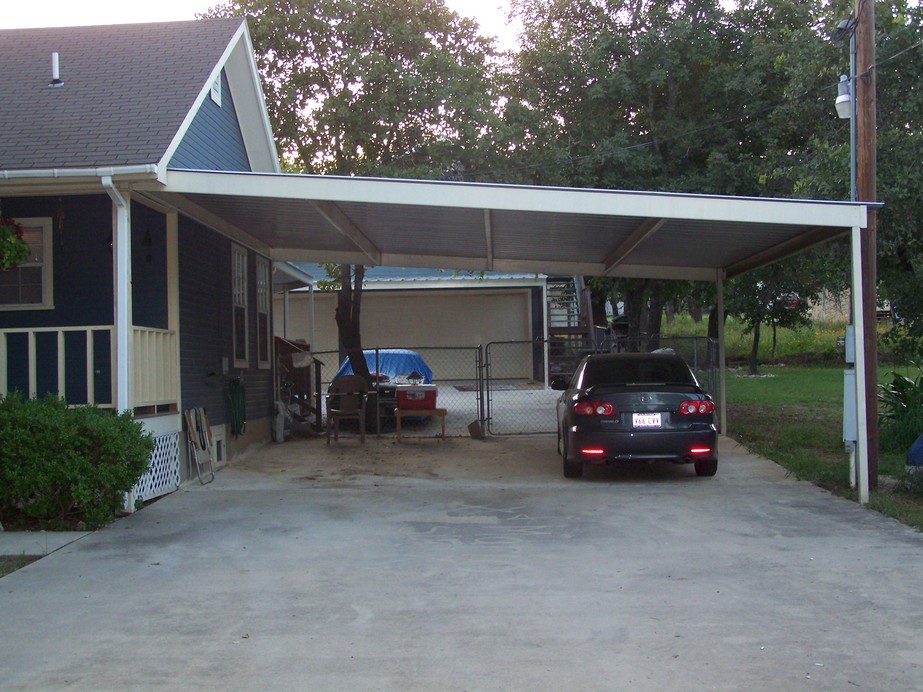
127,90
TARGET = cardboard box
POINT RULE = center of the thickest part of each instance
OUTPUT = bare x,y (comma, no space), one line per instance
416,396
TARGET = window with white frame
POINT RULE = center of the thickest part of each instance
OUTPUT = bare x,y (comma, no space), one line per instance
239,300
263,303
30,286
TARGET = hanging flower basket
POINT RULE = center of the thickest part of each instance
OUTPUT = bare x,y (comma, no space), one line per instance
13,249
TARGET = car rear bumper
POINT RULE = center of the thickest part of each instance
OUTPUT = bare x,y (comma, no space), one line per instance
594,446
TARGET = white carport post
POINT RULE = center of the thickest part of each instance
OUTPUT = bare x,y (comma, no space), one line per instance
311,318
121,239
285,312
862,441
722,366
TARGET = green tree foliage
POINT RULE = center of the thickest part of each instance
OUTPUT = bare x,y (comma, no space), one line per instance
371,87
821,169
779,295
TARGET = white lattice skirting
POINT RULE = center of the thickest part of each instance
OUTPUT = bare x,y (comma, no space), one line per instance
162,476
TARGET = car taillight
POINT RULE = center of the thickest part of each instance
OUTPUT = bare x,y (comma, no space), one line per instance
696,407
594,408
700,450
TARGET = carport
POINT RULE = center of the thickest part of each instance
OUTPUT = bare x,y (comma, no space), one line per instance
492,227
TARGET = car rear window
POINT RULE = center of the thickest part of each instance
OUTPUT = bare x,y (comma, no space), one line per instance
636,371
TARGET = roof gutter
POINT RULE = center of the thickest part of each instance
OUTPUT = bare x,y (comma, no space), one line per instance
31,177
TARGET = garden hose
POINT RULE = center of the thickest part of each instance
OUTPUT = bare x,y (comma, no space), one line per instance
237,397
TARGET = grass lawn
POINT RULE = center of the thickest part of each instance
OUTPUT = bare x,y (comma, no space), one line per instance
793,415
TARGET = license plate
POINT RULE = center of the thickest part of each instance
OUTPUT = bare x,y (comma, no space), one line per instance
645,420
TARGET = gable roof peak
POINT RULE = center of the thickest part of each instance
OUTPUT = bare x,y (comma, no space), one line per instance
128,89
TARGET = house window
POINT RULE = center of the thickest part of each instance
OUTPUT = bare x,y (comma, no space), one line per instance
263,298
239,290
29,285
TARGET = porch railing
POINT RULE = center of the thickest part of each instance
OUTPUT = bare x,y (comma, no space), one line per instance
59,359
155,367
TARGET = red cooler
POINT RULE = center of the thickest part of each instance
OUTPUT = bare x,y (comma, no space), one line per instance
411,396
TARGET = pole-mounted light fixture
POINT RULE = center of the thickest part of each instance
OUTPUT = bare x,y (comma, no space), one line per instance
844,98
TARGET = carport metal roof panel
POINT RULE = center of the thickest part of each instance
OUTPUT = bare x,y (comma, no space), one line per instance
503,227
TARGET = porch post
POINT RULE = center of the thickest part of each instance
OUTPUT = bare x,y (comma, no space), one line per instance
121,255
173,297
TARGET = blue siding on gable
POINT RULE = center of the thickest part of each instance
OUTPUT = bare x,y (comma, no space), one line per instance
206,328
213,141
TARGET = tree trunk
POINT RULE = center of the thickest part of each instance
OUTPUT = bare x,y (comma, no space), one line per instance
713,336
754,366
348,313
695,312
773,358
598,305
634,295
655,315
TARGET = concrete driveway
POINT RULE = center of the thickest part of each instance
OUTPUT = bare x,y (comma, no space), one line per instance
473,565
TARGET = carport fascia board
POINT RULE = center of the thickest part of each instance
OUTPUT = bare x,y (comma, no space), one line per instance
757,210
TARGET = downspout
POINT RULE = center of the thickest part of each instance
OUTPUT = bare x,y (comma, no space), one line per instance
122,285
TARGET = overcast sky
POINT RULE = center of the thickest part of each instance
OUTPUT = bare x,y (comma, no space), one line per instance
17,14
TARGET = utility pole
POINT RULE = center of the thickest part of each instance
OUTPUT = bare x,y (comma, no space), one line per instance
866,188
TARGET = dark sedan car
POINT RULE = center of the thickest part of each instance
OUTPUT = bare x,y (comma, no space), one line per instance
635,406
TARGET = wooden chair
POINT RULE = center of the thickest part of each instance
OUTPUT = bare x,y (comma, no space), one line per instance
346,398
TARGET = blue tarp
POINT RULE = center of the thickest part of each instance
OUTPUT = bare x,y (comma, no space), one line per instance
396,363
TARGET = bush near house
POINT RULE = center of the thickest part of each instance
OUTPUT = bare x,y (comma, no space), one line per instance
65,468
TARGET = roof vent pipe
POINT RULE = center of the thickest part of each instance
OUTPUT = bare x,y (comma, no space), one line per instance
56,80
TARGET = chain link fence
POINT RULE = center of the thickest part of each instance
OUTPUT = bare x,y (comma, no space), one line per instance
457,374
504,387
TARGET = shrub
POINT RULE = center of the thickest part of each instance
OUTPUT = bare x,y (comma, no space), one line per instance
901,414
63,466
